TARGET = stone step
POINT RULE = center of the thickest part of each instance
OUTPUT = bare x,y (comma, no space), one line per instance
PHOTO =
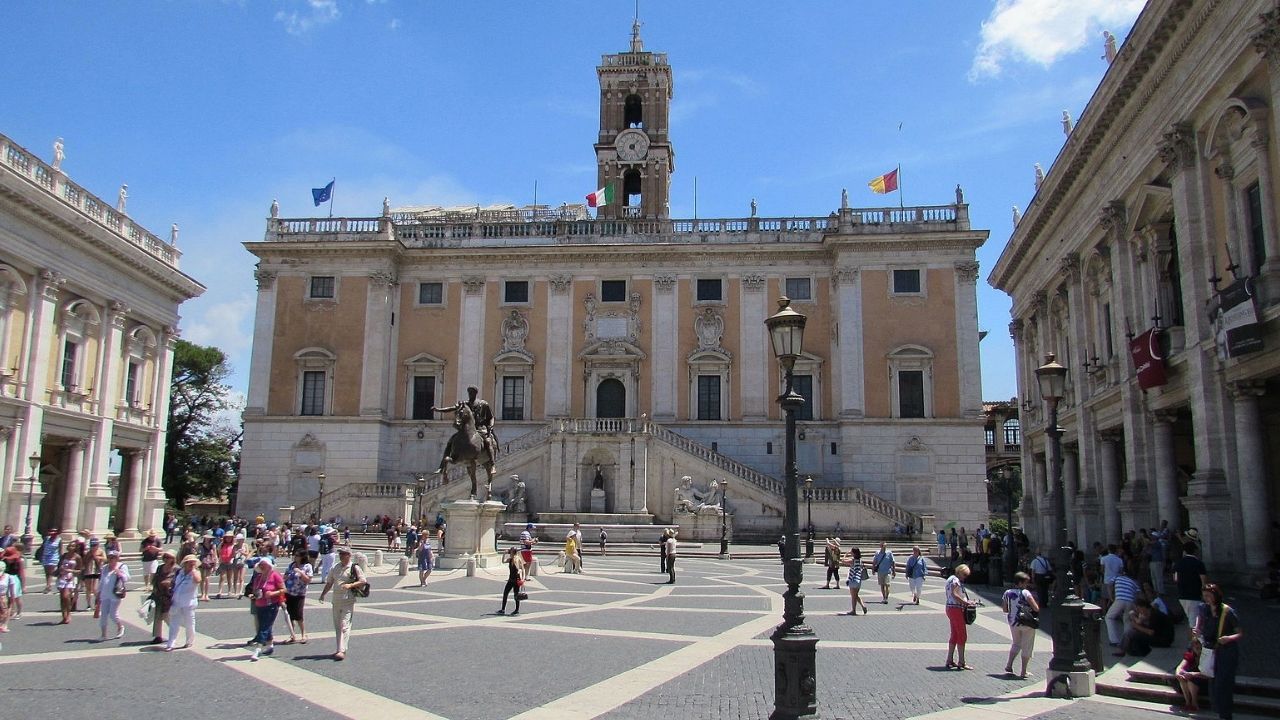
1148,685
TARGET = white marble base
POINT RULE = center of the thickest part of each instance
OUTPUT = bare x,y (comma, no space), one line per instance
597,501
469,534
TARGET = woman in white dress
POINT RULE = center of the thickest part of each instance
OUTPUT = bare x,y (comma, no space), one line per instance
182,609
115,576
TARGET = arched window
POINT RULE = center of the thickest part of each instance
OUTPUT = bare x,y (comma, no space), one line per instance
633,112
631,196
1012,432
611,399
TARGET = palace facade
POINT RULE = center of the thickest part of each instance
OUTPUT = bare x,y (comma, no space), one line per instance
631,344
88,312
1148,263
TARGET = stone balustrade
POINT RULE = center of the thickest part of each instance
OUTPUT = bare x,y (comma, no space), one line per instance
56,184
529,228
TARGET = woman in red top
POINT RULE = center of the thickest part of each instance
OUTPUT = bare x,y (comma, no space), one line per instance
268,592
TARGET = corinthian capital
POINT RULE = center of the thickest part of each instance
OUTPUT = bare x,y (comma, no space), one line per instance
967,271
1266,37
1071,266
1178,146
1113,217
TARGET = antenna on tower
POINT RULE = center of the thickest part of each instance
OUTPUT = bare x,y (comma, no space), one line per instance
637,45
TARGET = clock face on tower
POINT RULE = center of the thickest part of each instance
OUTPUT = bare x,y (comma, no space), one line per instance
632,145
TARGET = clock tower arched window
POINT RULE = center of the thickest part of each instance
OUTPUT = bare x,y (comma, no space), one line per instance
633,112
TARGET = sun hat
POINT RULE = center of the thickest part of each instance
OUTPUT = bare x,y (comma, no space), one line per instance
190,558
344,550
113,553
265,559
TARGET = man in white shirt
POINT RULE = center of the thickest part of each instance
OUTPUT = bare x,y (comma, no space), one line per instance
1111,567
576,534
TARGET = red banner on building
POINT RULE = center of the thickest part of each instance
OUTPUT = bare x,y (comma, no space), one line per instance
1147,360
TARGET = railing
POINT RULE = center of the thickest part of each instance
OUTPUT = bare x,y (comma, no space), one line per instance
631,58
524,227
56,184
728,464
337,495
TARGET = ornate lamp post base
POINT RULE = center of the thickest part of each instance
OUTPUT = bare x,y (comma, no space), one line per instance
795,651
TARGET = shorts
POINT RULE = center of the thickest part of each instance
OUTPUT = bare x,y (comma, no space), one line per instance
90,576
149,567
293,605
424,563
17,586
883,578
67,584
527,556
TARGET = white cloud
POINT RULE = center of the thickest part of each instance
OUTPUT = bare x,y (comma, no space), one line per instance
316,13
225,325
394,24
1042,31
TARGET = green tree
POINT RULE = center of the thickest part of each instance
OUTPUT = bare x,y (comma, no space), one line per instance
202,450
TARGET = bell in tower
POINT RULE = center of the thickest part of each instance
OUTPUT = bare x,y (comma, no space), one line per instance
633,151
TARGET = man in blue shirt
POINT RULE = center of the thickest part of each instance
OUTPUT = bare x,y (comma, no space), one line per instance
883,566
1126,592
48,553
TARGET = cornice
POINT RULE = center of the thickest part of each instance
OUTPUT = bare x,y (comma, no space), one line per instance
1137,74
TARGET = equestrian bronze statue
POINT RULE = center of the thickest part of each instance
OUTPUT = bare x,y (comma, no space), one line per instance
473,442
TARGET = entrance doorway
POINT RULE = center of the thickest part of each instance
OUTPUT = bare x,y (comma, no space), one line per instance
611,399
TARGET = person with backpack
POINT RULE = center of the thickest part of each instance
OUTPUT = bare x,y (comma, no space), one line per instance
857,573
882,565
1017,602
351,583
1042,571
916,571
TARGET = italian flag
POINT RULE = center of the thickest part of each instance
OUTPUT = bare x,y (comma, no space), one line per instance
603,196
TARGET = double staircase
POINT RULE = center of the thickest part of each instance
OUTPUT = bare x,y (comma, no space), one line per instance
434,489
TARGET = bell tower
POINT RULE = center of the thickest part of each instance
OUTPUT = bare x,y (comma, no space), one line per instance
633,151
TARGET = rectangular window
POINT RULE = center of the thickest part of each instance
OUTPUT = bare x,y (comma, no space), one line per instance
322,287
513,398
515,291
430,293
613,291
1257,238
799,289
911,393
424,397
68,378
131,383
709,397
991,437
1012,431
709,290
313,392
1109,343
803,384
906,281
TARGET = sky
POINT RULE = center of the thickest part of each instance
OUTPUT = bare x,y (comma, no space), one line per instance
210,109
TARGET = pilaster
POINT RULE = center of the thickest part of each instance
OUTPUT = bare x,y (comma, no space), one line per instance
849,324
1109,459
264,332
664,319
753,350
560,343
1166,470
969,365
377,337
471,332
73,488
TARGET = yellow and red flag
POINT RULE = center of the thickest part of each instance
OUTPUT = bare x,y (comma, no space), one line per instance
886,183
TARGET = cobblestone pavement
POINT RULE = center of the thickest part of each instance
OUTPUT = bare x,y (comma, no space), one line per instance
614,642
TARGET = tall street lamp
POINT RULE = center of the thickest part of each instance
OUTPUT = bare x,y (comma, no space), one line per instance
724,519
320,500
1006,474
27,537
795,646
419,488
1068,616
808,499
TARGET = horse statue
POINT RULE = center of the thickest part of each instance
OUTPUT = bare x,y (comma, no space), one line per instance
467,446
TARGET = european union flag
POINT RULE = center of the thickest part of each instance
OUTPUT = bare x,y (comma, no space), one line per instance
322,195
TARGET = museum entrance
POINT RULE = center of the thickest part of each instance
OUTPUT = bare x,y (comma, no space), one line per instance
611,399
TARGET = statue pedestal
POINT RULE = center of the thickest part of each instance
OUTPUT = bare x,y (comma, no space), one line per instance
469,534
597,501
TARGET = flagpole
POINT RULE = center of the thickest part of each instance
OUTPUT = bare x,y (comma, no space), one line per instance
695,199
333,186
901,205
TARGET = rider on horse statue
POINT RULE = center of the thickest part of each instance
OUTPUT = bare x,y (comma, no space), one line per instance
482,417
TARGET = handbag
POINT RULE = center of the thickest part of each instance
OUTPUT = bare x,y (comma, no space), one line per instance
522,595
970,611
120,591
1027,617
362,591
1208,655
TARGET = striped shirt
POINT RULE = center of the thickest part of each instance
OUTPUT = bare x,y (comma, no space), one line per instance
1126,589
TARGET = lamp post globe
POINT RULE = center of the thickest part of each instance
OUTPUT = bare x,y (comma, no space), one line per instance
1068,616
794,642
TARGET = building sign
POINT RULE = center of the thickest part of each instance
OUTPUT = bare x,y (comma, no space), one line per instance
1234,313
1147,360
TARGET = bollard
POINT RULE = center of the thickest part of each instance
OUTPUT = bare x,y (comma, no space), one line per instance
533,567
377,558
403,566
471,566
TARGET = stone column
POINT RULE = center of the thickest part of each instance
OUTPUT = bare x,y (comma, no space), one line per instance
1044,512
559,340
1110,495
1254,505
753,350
969,365
1166,480
1266,41
1071,485
264,332
377,337
471,336
73,488
665,316
848,289
133,491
